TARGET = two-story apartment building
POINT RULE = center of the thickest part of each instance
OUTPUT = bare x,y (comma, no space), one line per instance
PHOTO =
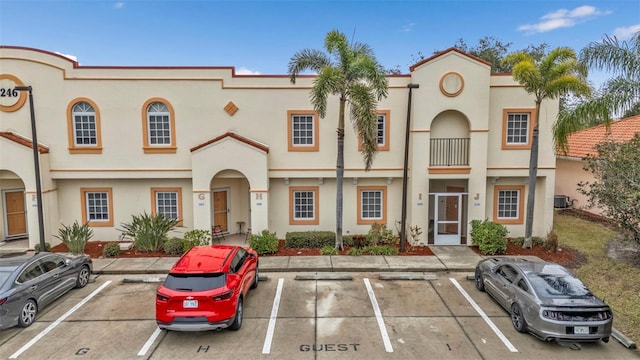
211,147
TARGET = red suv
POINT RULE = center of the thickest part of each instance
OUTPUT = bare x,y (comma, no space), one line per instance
205,289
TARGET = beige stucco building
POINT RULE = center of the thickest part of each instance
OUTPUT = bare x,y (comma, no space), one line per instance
215,148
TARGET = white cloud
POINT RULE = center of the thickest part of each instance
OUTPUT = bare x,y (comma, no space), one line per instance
245,71
624,33
118,5
407,27
563,18
72,57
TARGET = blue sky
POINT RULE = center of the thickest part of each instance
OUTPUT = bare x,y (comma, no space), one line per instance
259,37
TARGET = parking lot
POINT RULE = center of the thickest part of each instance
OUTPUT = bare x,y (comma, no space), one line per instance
288,318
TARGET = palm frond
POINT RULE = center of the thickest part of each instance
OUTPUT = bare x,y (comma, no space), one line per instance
622,59
362,105
307,59
328,82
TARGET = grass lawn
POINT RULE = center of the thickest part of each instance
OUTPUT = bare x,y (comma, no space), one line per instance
612,280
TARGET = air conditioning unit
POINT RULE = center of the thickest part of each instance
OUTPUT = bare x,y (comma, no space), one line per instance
561,202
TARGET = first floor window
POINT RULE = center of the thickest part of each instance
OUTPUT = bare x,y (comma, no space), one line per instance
97,206
371,204
304,204
508,204
167,204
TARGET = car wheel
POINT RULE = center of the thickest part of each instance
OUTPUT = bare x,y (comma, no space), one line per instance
28,313
517,319
479,280
237,322
255,280
83,277
605,340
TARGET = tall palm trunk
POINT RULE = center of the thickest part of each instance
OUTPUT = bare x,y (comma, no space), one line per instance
533,174
340,174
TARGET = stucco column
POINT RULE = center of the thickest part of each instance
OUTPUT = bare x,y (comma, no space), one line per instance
259,211
202,209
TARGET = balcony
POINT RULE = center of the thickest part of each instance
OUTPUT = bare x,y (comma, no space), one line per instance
449,152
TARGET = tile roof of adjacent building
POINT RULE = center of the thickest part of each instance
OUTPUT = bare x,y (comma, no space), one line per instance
582,142
23,141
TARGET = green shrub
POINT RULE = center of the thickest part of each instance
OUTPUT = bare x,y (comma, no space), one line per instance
174,246
310,239
535,241
551,242
489,236
355,251
149,232
360,241
196,238
264,243
47,247
381,250
75,236
380,235
111,250
329,250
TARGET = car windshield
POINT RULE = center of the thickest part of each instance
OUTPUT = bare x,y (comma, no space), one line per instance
557,285
195,282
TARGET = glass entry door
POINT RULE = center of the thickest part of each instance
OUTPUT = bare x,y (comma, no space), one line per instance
447,218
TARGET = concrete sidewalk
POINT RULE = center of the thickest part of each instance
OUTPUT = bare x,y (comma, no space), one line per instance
447,258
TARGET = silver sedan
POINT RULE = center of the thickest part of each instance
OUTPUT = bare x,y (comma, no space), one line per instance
545,299
31,281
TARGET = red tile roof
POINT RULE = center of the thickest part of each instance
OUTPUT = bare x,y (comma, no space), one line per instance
23,141
234,136
583,142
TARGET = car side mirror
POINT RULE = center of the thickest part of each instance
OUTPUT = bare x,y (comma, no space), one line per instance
67,262
253,256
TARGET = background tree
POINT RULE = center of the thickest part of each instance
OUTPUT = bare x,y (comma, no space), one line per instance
352,73
619,96
555,74
616,188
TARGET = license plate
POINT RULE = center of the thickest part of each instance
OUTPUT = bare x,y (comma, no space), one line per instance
581,330
189,304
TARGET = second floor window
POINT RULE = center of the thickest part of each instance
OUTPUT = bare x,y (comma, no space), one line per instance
302,130
518,128
382,130
159,124
84,125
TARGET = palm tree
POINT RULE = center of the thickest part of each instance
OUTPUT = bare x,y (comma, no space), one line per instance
619,95
555,74
351,72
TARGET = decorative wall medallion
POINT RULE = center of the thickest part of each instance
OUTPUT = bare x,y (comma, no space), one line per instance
10,98
451,84
231,108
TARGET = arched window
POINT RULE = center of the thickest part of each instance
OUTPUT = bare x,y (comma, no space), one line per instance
159,127
84,127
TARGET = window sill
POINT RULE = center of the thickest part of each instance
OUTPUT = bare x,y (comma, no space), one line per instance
159,150
79,150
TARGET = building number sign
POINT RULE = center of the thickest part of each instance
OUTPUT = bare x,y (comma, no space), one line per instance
10,98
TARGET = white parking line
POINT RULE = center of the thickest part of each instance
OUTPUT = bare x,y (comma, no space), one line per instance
266,348
44,332
376,310
149,342
484,316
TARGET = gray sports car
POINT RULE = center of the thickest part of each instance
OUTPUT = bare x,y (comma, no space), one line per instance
545,299
30,281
